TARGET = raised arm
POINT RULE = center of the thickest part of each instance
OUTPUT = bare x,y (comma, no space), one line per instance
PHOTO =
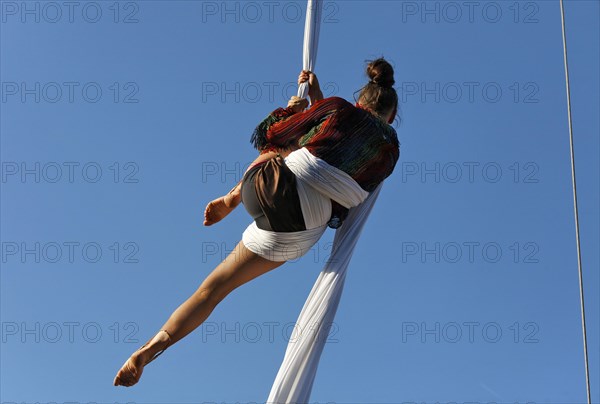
282,127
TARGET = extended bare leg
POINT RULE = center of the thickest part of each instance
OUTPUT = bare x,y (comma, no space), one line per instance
241,266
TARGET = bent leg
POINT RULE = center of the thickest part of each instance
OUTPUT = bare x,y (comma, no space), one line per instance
241,266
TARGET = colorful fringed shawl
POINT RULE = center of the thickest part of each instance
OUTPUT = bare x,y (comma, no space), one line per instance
346,136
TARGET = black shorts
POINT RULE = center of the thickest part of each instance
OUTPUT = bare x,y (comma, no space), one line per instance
270,196
250,199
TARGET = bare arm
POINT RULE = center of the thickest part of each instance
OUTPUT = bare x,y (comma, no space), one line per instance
219,208
233,197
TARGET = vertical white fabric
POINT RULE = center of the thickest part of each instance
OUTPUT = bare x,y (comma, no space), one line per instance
294,381
314,10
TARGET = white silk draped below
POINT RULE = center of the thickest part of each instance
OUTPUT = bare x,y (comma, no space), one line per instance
294,381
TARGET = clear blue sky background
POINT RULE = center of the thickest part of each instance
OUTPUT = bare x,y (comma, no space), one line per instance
193,80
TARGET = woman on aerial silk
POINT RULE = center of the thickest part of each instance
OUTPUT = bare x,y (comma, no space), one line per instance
314,165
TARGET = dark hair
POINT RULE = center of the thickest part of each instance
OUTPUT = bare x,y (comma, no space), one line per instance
379,94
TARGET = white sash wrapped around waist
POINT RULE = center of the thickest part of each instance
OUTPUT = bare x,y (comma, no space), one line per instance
331,182
318,183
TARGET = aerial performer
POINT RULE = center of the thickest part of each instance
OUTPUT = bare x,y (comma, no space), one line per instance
318,167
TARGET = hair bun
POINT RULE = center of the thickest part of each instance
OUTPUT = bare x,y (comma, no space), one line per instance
381,73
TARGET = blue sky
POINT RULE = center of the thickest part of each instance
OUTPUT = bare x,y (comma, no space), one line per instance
120,121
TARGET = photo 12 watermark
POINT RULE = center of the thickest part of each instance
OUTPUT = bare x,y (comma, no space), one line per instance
470,252
253,332
69,12
469,12
252,92
470,92
69,252
69,172
318,253
470,172
68,402
71,332
469,332
271,12
69,92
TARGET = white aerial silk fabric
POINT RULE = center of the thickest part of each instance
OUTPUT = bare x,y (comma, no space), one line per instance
317,183
294,381
312,27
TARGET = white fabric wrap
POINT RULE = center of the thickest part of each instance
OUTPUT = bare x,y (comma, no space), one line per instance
332,182
317,183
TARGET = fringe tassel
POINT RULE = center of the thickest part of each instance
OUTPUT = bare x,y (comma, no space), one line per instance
259,136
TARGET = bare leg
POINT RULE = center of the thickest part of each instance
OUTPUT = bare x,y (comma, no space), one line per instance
241,266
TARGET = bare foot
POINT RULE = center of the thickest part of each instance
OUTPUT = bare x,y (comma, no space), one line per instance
217,210
132,370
